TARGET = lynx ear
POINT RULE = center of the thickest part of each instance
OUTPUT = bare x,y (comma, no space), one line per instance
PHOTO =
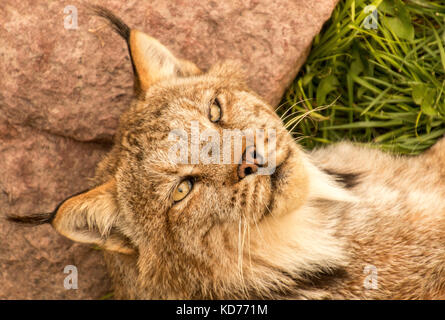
93,217
152,62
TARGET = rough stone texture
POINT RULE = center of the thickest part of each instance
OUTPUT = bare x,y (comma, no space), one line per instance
61,93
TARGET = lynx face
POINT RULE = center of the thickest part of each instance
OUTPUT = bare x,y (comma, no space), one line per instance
196,210
189,201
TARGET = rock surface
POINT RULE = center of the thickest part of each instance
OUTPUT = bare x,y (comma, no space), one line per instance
62,91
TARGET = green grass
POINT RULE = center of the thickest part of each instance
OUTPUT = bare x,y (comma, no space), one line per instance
384,85
107,296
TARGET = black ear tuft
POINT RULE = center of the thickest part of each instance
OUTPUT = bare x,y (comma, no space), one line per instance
37,219
33,219
121,28
116,23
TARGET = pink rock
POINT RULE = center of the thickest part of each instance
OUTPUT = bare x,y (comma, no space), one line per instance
62,92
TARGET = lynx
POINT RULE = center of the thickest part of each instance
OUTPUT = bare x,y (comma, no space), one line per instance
341,222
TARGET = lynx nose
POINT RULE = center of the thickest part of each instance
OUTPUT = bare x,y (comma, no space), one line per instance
250,162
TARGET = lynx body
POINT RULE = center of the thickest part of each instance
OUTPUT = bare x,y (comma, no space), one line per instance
343,222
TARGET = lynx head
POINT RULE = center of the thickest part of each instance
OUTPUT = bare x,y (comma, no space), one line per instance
196,228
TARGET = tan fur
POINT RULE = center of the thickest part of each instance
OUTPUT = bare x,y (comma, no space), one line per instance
305,232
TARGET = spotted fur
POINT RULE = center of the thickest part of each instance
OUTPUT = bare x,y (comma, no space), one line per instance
308,231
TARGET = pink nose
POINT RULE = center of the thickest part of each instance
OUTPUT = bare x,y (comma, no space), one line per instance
250,162
244,169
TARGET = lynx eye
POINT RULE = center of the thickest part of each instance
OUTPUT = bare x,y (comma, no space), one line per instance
215,111
182,190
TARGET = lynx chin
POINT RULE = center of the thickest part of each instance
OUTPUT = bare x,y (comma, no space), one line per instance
174,230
